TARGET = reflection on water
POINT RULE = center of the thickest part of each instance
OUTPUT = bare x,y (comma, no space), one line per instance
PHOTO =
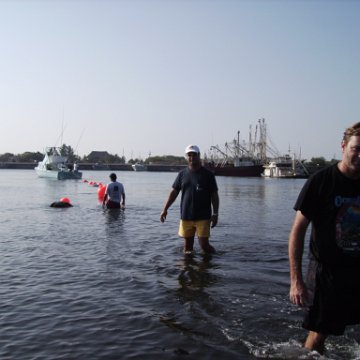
114,218
195,275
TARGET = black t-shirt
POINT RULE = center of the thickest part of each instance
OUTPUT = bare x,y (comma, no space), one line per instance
196,188
331,201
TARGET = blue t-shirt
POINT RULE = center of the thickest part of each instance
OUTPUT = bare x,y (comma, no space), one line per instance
196,189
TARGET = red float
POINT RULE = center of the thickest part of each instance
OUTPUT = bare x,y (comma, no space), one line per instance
101,192
65,200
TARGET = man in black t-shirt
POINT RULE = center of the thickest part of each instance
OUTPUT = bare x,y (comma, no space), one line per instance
199,204
330,201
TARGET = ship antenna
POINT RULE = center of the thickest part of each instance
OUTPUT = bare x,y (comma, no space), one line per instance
82,133
62,128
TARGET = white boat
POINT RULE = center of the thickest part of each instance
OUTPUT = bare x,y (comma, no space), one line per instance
54,166
139,167
285,167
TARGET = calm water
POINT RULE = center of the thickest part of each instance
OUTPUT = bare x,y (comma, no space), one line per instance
83,283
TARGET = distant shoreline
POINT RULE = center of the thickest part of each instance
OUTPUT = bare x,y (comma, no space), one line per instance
95,167
117,167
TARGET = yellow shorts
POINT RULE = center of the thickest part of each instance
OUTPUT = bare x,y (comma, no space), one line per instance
189,228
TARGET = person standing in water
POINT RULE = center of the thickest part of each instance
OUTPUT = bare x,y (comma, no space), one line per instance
199,206
330,201
114,193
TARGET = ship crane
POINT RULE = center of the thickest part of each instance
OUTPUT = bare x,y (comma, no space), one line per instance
217,159
237,150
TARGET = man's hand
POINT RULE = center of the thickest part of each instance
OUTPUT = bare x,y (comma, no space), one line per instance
163,216
214,220
299,294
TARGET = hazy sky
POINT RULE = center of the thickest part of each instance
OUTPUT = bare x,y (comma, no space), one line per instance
134,77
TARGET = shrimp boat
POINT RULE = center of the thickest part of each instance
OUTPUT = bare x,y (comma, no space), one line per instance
54,166
240,159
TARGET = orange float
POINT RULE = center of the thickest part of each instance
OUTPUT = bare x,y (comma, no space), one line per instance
101,192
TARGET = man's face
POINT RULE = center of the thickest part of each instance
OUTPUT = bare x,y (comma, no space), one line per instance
193,159
351,154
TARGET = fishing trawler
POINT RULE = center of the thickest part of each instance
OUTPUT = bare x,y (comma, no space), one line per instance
240,159
54,166
239,168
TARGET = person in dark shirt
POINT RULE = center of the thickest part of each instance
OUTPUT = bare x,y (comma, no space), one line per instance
330,201
199,204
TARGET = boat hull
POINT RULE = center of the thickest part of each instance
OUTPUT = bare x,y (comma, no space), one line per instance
238,171
286,176
59,175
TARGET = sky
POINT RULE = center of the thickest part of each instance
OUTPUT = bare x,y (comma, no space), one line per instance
139,78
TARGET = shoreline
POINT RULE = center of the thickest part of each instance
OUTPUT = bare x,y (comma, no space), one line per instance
96,167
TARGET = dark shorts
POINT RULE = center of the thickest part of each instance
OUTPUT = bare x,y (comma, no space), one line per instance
335,298
112,205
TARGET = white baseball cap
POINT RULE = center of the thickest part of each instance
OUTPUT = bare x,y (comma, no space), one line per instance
192,148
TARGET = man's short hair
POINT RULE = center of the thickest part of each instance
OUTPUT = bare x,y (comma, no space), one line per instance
353,130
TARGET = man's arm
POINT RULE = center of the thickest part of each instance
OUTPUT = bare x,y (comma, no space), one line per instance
172,197
104,199
215,208
298,290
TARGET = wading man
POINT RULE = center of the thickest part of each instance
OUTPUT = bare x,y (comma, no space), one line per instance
199,206
330,201
114,197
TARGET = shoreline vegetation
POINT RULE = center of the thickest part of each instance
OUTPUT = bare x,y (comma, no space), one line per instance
95,166
102,160
122,167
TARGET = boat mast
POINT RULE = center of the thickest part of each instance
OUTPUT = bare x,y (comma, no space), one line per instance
238,145
250,140
263,137
62,128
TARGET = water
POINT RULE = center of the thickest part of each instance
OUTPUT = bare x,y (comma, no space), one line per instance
83,283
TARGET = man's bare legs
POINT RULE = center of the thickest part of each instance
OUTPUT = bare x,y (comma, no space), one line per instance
189,244
315,341
203,242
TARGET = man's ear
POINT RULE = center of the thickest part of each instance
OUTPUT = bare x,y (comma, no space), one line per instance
343,144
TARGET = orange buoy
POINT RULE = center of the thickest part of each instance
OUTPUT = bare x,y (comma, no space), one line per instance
101,192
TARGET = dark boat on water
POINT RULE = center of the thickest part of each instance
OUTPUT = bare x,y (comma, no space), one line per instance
254,170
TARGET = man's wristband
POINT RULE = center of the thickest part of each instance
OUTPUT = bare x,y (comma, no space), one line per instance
215,214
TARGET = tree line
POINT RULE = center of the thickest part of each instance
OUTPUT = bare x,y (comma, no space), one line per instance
93,157
106,158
